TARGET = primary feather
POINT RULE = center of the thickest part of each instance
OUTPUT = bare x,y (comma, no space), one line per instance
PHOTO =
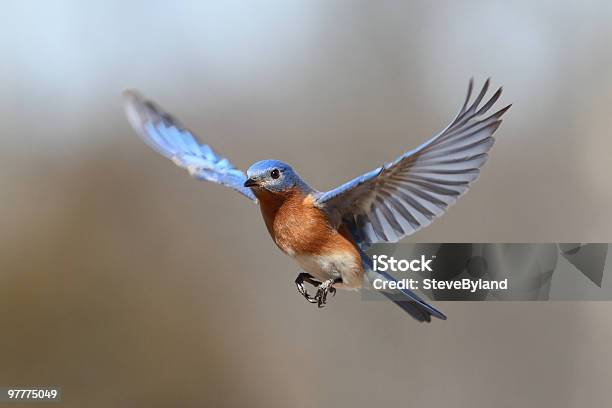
168,137
407,194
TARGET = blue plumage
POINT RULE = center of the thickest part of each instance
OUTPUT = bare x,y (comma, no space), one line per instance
262,172
408,300
169,138
408,193
383,205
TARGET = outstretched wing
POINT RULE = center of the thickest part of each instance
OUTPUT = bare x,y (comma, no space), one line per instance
168,137
405,195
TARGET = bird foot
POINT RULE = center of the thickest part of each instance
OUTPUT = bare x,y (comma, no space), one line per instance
299,283
323,290
302,290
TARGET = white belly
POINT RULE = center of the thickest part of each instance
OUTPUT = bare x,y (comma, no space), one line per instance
339,265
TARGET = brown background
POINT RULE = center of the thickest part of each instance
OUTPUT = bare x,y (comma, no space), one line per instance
127,283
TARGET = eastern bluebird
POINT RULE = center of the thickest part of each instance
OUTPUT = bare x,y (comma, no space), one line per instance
326,233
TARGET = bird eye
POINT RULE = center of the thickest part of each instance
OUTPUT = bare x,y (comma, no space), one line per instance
275,174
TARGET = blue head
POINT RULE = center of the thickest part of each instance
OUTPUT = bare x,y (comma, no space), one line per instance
274,176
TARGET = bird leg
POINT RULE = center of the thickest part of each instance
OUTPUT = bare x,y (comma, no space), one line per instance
299,283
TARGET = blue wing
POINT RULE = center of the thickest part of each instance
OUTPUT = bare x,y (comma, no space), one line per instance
168,137
407,194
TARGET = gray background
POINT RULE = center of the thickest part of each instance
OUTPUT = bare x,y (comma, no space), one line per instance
127,283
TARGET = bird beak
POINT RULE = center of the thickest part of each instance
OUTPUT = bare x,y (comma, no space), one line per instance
250,183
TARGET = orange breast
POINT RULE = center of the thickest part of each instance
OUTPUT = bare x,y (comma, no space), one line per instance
298,227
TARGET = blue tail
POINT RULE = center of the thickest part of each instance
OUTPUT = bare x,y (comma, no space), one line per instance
413,305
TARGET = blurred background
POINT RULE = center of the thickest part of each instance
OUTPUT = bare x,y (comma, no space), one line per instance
127,283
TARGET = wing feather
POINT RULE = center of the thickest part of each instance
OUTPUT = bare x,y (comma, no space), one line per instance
168,137
408,193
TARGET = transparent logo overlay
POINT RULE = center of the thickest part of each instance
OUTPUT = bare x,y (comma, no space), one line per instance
484,271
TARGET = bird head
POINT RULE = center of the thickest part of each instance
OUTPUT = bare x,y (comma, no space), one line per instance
274,176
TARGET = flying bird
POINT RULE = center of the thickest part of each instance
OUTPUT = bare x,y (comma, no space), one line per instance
326,233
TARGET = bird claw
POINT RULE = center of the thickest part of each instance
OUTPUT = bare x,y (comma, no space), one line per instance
323,290
299,283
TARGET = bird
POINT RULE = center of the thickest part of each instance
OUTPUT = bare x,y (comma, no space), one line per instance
328,232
